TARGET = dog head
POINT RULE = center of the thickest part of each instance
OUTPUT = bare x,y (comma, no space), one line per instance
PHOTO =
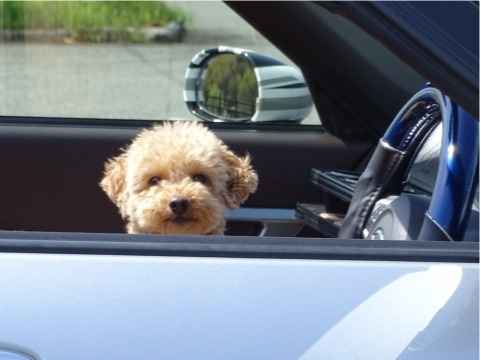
177,179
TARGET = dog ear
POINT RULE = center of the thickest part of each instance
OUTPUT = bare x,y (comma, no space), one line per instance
242,182
113,182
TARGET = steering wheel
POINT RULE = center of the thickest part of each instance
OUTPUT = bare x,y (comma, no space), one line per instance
446,214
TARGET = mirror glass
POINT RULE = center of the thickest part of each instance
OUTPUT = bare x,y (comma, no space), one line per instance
228,88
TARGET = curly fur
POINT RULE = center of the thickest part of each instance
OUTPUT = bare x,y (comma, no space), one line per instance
176,152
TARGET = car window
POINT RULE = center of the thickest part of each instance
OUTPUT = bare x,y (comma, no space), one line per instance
111,60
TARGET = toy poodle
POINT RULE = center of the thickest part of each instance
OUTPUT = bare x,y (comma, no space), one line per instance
177,178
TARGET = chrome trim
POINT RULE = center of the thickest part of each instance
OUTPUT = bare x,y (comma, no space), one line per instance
427,214
386,145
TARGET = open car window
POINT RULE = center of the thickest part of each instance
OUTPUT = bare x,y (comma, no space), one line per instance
118,60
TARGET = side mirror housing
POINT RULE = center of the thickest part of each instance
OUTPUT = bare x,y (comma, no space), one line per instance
236,85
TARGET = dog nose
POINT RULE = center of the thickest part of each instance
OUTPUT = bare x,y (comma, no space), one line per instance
179,206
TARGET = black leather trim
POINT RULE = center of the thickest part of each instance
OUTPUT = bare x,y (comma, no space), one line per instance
371,185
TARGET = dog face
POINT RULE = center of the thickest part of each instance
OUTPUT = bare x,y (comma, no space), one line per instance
177,179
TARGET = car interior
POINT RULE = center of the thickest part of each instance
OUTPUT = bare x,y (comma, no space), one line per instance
51,166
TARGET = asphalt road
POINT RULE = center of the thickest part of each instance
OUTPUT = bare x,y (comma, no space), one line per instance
118,80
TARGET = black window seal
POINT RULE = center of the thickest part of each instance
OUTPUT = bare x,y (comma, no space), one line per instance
142,123
238,247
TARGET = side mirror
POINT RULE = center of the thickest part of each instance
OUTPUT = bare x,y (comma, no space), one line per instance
233,85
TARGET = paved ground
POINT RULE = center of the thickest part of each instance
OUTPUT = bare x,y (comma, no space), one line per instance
113,80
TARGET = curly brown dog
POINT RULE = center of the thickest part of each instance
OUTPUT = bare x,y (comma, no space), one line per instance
177,178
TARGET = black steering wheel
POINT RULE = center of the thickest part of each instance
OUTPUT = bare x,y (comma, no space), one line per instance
386,171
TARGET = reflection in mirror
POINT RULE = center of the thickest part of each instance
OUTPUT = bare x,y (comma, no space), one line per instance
228,88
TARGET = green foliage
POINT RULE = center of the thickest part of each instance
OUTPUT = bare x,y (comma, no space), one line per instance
230,87
86,19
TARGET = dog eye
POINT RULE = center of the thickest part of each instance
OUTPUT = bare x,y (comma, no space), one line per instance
154,180
200,178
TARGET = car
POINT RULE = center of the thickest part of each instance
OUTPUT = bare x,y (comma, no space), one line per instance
361,241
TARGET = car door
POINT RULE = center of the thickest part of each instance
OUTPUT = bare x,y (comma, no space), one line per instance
77,296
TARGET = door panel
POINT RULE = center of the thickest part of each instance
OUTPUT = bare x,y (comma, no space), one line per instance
142,307
51,172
